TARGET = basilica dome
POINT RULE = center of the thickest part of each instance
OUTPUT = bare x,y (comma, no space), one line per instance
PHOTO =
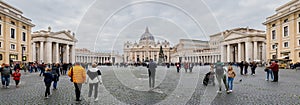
147,36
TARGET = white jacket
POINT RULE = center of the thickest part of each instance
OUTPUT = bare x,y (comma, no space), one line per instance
90,79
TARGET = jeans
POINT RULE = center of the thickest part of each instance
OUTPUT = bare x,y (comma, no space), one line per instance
42,72
269,74
275,73
17,82
219,79
77,90
54,84
5,80
95,86
230,83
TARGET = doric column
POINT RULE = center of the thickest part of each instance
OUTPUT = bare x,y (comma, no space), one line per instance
247,53
41,51
73,54
255,50
223,53
263,52
228,53
48,52
239,52
57,53
67,54
34,52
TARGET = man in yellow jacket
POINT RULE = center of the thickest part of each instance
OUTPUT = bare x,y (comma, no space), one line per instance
78,76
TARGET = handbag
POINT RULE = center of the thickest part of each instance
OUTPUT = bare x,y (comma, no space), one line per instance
71,75
266,69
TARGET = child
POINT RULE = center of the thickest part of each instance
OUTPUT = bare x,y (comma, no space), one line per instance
231,75
17,77
48,80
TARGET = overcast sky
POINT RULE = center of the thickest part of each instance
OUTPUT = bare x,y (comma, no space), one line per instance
104,25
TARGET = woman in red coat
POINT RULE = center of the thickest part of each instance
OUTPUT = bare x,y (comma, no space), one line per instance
17,77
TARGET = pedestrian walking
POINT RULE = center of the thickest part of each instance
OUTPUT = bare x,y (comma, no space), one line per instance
78,76
94,79
246,67
151,70
231,75
17,77
5,76
186,66
253,67
269,72
178,67
220,75
56,75
275,69
48,77
191,66
42,68
241,67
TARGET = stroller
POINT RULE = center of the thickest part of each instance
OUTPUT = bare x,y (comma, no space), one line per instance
209,78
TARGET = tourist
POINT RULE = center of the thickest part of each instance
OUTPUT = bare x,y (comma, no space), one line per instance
78,76
191,66
253,67
269,72
231,75
241,67
42,68
64,68
178,67
151,70
275,68
17,77
5,76
246,67
94,78
55,73
186,66
220,74
47,80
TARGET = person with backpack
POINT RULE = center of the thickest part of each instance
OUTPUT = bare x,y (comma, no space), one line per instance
220,75
55,73
231,75
17,77
94,78
5,76
48,78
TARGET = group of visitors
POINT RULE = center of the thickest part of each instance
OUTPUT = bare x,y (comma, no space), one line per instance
272,71
6,72
224,76
244,67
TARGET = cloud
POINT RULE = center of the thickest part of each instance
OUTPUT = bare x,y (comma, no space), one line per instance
104,25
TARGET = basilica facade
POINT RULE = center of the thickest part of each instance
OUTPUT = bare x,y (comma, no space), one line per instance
146,49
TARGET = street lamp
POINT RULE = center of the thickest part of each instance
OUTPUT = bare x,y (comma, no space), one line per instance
276,48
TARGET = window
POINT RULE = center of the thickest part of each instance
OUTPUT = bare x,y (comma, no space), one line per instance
298,15
286,44
12,46
273,25
0,44
24,36
273,46
12,33
0,29
285,31
299,54
23,48
286,20
13,23
299,42
273,34
24,27
298,27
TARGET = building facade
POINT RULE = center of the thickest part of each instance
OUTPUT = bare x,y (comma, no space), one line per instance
194,51
243,44
86,56
283,32
146,49
15,33
53,47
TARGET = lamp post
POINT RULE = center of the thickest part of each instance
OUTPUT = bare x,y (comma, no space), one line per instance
276,56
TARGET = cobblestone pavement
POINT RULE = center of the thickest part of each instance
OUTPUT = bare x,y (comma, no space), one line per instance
130,86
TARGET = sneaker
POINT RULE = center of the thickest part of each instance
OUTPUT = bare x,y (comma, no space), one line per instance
219,92
267,79
46,97
230,91
96,99
7,87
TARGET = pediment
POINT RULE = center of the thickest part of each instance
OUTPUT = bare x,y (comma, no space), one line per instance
233,35
63,36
